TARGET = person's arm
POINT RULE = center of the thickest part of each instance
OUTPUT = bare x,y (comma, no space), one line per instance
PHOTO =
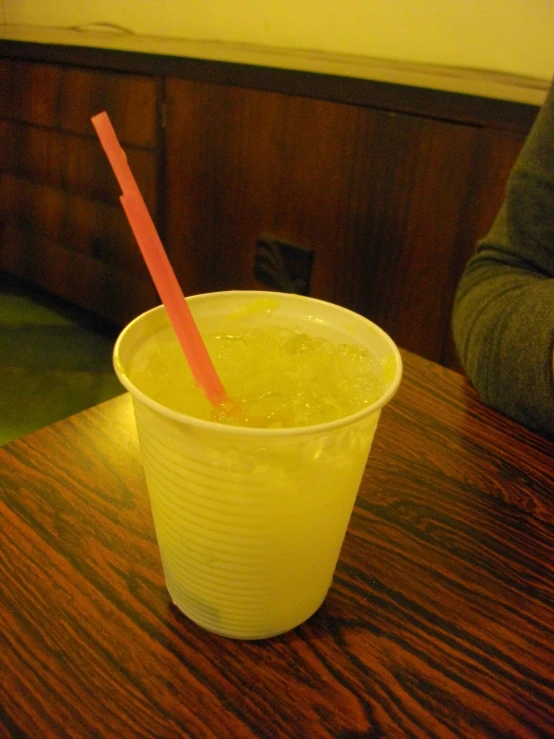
503,319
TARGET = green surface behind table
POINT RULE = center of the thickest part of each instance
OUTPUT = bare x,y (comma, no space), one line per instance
54,360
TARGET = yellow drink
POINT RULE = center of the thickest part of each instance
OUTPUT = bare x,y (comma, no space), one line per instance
276,377
250,520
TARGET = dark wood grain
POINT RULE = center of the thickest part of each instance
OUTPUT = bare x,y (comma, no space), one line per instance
391,204
72,163
439,623
62,225
111,292
461,107
78,223
65,98
494,157
243,163
412,179
30,92
131,101
390,186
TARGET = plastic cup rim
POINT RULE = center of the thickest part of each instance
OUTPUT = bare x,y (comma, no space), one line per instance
228,429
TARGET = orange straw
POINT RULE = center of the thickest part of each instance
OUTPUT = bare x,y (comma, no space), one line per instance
158,264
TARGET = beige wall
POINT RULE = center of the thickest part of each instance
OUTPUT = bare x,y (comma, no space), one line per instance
512,36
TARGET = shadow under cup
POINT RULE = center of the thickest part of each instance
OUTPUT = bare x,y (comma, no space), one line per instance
250,522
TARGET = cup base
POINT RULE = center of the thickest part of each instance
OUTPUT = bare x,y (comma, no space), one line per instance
251,635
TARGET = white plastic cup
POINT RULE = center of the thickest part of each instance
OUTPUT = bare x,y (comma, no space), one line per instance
250,522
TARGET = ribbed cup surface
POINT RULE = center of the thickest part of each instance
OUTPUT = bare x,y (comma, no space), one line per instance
250,529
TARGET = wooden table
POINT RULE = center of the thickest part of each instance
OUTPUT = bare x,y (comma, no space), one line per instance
440,621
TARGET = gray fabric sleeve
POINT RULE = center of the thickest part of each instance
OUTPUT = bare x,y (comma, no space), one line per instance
503,318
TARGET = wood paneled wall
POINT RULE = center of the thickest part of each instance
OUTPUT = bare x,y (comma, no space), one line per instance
63,227
392,201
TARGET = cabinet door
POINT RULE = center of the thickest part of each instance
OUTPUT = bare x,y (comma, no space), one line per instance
243,164
383,199
411,185
63,228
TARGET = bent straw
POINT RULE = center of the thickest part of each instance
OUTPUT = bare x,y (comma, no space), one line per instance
185,328
158,264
